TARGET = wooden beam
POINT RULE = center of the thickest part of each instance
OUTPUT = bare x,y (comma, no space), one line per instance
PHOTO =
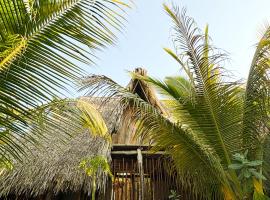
117,147
140,168
136,152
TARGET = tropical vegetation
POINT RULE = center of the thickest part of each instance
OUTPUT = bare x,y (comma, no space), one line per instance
217,129
43,46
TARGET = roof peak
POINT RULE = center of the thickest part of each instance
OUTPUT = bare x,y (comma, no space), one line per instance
141,71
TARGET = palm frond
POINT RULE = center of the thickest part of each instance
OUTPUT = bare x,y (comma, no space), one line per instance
256,116
214,98
210,115
43,44
207,109
69,117
189,152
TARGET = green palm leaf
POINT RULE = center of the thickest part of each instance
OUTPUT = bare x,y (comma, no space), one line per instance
256,116
43,44
212,98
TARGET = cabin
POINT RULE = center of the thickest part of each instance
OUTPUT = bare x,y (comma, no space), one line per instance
53,174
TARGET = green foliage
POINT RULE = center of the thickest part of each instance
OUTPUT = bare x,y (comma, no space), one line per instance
210,116
43,45
259,196
247,172
93,164
6,165
247,169
93,120
91,167
174,196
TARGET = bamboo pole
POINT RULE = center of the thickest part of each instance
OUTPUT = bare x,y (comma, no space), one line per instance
140,168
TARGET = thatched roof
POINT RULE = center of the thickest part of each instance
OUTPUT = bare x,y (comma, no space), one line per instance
55,166
127,131
144,90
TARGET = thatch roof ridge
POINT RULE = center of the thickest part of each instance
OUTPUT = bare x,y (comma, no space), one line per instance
145,90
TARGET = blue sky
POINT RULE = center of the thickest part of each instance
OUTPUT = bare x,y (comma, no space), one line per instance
234,25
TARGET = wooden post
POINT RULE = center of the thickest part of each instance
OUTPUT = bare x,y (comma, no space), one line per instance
141,173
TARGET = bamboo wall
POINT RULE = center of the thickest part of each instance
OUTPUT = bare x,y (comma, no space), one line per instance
128,185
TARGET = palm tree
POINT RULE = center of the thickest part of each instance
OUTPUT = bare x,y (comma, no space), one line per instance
43,44
217,129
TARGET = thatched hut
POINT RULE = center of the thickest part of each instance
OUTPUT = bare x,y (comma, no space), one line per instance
52,172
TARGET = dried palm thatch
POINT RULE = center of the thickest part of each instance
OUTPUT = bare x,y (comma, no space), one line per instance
54,167
144,90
